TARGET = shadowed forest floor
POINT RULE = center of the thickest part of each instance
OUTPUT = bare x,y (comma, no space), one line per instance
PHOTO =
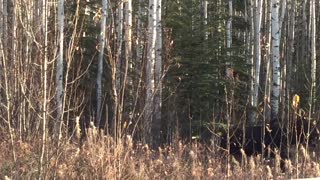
104,159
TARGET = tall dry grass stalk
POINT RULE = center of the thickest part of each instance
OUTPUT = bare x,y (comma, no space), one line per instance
101,157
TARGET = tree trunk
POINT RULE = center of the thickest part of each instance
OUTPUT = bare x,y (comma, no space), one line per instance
158,77
139,44
229,31
250,44
275,57
205,20
128,57
313,56
257,57
150,89
44,76
102,38
5,28
59,73
119,72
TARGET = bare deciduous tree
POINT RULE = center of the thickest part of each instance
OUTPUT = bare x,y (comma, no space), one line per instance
59,73
150,85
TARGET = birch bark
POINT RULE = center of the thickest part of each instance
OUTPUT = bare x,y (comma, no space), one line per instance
158,75
59,73
313,56
102,38
44,26
257,58
275,58
150,87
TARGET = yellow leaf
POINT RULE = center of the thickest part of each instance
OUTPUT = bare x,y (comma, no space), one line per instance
295,101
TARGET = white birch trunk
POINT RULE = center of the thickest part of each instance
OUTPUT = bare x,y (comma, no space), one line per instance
129,30
5,27
119,67
267,109
119,44
128,52
59,73
139,42
158,76
150,69
13,48
304,30
257,57
1,22
283,71
229,64
229,30
44,24
251,59
102,38
313,56
275,57
205,17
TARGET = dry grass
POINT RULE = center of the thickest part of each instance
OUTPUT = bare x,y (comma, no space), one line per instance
102,158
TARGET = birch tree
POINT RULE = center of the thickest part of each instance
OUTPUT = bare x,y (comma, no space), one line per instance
117,93
139,42
158,75
124,61
44,75
304,45
119,42
5,27
275,58
128,53
229,28
150,87
250,61
102,38
59,74
205,18
257,14
313,57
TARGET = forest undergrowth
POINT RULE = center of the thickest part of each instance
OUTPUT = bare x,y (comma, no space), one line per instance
100,157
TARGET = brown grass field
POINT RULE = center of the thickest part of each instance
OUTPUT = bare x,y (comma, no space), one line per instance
102,158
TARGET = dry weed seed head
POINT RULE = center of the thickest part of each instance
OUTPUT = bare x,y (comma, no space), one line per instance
92,124
242,152
159,162
129,141
244,156
210,172
192,155
252,164
304,153
269,172
78,129
235,162
180,146
288,166
160,153
317,169
277,162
